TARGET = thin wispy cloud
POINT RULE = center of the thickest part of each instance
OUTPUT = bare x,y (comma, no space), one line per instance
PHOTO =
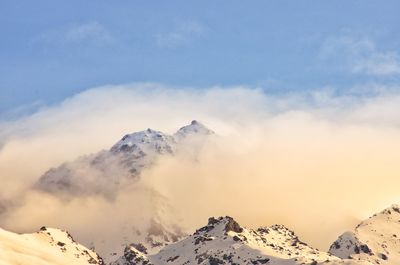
361,56
181,35
380,64
90,32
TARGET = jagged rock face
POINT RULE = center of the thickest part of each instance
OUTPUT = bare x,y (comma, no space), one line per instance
375,240
110,170
132,256
224,241
47,247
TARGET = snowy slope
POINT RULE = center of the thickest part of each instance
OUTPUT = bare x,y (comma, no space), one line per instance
221,241
376,239
47,247
224,241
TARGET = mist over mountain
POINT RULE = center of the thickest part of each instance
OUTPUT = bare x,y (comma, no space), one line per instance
111,174
108,171
154,187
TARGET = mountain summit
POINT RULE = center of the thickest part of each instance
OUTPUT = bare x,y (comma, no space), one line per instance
110,170
194,128
224,241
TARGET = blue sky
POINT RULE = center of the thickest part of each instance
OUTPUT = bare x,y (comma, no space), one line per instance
50,50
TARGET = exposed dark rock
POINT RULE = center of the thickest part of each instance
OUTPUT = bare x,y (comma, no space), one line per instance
202,239
236,238
215,261
212,221
383,256
356,249
132,257
364,248
260,261
396,208
336,245
232,225
172,259
140,247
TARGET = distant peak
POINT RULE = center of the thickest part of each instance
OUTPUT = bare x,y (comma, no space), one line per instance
194,128
195,123
153,139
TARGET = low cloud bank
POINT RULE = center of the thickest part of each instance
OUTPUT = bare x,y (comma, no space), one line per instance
316,162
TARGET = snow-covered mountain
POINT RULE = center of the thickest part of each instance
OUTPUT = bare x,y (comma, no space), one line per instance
49,246
109,172
221,241
376,240
224,241
121,165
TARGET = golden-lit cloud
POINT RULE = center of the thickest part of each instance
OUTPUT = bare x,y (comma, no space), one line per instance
315,162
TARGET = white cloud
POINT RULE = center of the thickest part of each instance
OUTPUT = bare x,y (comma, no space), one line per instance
379,64
184,33
91,32
361,56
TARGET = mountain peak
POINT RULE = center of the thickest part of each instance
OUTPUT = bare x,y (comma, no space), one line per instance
147,140
129,156
228,222
143,139
194,128
220,226
224,241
